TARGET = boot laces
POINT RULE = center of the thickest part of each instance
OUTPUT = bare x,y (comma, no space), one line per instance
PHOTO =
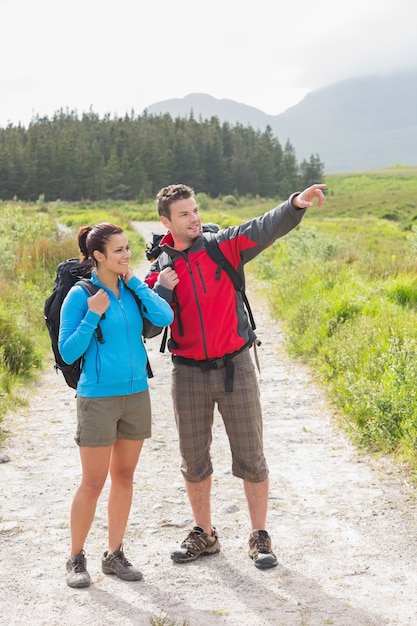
194,542
124,561
79,564
263,543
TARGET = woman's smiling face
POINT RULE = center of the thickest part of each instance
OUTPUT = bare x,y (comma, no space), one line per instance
117,256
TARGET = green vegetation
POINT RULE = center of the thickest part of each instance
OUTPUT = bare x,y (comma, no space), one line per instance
344,285
350,306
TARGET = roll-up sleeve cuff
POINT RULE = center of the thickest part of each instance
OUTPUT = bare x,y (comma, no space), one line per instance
294,208
92,319
134,283
163,292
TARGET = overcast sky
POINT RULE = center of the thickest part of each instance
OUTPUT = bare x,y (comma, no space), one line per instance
113,57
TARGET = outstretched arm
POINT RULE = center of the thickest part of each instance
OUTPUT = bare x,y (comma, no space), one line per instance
306,198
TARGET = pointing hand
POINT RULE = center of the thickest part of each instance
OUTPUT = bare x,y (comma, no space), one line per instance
306,198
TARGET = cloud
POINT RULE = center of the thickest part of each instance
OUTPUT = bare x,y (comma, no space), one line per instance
117,56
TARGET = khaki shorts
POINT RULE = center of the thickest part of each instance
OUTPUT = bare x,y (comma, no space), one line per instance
100,421
195,394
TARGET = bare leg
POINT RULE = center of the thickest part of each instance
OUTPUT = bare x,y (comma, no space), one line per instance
95,464
257,498
124,458
199,496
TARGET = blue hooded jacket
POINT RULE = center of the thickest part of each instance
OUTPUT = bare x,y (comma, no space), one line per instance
117,366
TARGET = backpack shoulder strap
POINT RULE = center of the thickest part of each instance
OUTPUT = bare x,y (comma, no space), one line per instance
92,289
162,261
88,285
217,255
214,251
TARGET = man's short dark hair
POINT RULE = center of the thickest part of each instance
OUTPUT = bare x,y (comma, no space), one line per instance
167,195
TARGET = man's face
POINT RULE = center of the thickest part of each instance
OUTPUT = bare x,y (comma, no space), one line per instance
185,222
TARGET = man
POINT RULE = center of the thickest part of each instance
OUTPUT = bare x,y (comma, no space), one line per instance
210,341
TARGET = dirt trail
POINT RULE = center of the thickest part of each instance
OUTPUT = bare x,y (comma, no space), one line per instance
344,526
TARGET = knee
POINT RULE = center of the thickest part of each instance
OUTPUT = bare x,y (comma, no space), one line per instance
92,488
123,479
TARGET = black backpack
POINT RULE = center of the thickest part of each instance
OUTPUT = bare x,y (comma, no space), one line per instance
69,273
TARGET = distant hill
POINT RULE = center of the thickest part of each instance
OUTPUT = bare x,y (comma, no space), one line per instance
353,125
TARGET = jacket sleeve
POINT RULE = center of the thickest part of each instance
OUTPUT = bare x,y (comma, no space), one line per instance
156,308
151,281
77,325
253,236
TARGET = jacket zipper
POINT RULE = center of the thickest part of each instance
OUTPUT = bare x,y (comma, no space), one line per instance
201,276
203,334
130,352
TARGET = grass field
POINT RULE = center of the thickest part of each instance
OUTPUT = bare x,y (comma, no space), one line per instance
349,309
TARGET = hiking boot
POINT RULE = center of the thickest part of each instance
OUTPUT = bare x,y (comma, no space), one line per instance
260,550
198,543
117,563
77,575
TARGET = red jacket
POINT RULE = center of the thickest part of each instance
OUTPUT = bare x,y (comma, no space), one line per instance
210,320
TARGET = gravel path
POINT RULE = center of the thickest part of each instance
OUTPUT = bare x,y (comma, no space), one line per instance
343,525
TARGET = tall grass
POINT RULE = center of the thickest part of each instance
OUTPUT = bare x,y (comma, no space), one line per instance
358,330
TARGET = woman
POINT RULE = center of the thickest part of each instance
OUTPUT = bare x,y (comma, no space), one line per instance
113,404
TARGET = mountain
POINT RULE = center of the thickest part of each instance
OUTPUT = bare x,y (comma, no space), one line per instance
353,125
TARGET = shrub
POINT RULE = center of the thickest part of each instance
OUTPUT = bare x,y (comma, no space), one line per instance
18,353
